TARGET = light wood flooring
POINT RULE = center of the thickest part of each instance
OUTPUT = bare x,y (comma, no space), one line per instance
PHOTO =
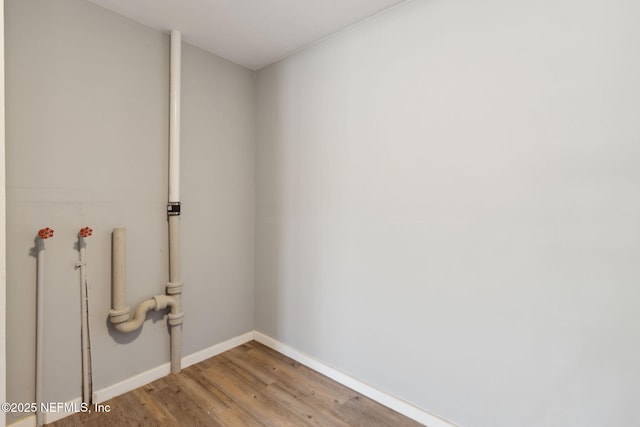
250,385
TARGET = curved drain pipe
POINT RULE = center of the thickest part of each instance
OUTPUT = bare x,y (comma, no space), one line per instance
120,314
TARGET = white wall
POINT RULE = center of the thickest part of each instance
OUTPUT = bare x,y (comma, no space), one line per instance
448,209
87,144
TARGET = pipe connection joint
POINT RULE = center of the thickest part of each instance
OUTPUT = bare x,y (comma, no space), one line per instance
176,315
164,301
175,319
120,315
174,288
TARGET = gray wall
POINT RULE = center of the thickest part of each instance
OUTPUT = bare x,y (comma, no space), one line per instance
87,131
447,201
448,209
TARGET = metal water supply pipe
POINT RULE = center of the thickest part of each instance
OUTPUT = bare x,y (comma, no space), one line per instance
84,315
43,234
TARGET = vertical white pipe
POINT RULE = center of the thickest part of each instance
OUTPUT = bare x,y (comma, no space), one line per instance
84,325
118,257
174,249
174,117
175,286
175,347
39,328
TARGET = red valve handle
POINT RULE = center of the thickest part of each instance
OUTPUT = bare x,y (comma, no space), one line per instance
85,232
45,233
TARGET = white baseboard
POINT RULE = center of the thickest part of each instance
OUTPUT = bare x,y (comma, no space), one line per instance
406,409
163,370
208,353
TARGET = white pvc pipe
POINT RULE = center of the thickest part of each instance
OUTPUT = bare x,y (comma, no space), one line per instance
84,322
174,117
176,348
174,287
174,249
119,313
39,328
117,297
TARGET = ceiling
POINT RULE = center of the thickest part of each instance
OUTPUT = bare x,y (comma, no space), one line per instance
252,33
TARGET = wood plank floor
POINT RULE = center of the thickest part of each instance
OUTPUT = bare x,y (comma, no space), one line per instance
250,385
